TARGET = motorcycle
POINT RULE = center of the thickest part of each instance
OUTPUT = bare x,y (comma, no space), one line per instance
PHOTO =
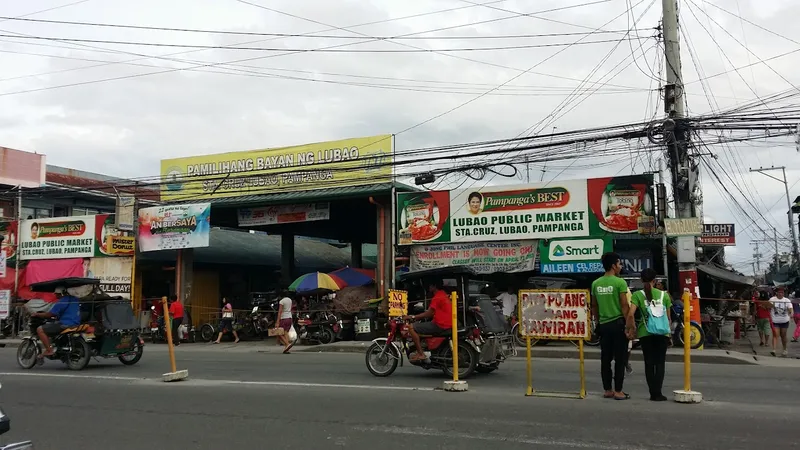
321,327
5,427
159,334
385,354
108,328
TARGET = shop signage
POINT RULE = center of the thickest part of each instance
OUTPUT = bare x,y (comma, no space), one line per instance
5,303
273,215
635,261
173,227
65,237
482,257
125,217
560,209
121,245
398,303
114,274
692,226
573,255
555,314
718,234
9,245
57,238
3,263
323,165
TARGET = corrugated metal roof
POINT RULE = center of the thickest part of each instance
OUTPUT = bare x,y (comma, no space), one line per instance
311,195
246,249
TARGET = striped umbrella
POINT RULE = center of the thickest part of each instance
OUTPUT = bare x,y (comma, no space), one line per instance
316,282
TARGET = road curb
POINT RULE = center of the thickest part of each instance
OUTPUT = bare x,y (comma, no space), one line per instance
730,358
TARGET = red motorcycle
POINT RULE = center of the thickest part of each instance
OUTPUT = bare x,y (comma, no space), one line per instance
385,354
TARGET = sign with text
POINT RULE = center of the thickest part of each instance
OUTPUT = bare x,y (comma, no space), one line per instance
172,227
5,303
57,238
3,263
718,234
691,226
635,261
274,215
573,255
115,274
482,257
121,245
398,303
554,314
557,209
322,165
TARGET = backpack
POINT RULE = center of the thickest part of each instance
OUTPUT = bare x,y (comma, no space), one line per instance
656,321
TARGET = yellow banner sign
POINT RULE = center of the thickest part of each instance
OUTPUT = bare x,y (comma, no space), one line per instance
347,162
398,303
120,245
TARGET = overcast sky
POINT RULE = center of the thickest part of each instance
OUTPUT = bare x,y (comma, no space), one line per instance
54,100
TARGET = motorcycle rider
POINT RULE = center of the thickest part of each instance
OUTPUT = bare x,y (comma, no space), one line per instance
441,314
66,310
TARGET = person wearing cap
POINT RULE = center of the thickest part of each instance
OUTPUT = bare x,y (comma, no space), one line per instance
67,313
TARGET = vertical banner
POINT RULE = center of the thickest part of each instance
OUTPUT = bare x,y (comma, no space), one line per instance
3,263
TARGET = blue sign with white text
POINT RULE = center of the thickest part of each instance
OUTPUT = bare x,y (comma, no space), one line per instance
587,267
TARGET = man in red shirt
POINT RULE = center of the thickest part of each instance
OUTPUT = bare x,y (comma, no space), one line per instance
763,318
442,319
176,314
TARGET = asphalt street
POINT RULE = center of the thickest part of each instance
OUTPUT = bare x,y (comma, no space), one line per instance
324,400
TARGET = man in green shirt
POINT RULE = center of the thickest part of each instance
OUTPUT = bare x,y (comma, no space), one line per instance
611,312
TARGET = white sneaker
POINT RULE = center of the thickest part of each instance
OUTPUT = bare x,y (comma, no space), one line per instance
785,354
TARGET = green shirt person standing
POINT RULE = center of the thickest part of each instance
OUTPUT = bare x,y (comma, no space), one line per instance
652,304
611,312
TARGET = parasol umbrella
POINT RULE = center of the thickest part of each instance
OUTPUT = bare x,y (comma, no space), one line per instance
316,282
353,277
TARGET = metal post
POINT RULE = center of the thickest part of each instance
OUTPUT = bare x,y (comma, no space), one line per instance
795,250
687,344
777,257
16,250
664,253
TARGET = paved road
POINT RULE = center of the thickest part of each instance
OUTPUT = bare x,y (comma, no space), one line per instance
310,400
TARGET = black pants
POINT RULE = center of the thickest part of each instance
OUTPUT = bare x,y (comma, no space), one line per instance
613,346
176,323
654,350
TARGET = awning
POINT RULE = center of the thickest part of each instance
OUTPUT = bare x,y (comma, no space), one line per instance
722,274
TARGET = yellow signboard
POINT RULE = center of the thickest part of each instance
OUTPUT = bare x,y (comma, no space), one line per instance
398,303
347,162
120,245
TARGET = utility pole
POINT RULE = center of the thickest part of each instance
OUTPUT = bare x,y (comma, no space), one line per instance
757,258
763,171
676,131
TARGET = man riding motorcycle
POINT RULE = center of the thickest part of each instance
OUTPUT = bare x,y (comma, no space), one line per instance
441,314
66,310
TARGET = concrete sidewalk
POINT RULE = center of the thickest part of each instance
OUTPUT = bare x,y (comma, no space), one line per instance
560,350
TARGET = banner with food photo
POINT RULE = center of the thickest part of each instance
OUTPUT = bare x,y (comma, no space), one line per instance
105,233
9,232
617,204
423,217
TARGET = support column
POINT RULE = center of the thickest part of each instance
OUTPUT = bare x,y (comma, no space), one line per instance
184,275
356,253
287,259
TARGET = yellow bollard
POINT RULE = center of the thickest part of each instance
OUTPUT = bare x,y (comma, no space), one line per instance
687,395
455,385
174,375
528,365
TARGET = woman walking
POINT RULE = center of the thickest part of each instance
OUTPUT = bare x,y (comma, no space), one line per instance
651,309
226,324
